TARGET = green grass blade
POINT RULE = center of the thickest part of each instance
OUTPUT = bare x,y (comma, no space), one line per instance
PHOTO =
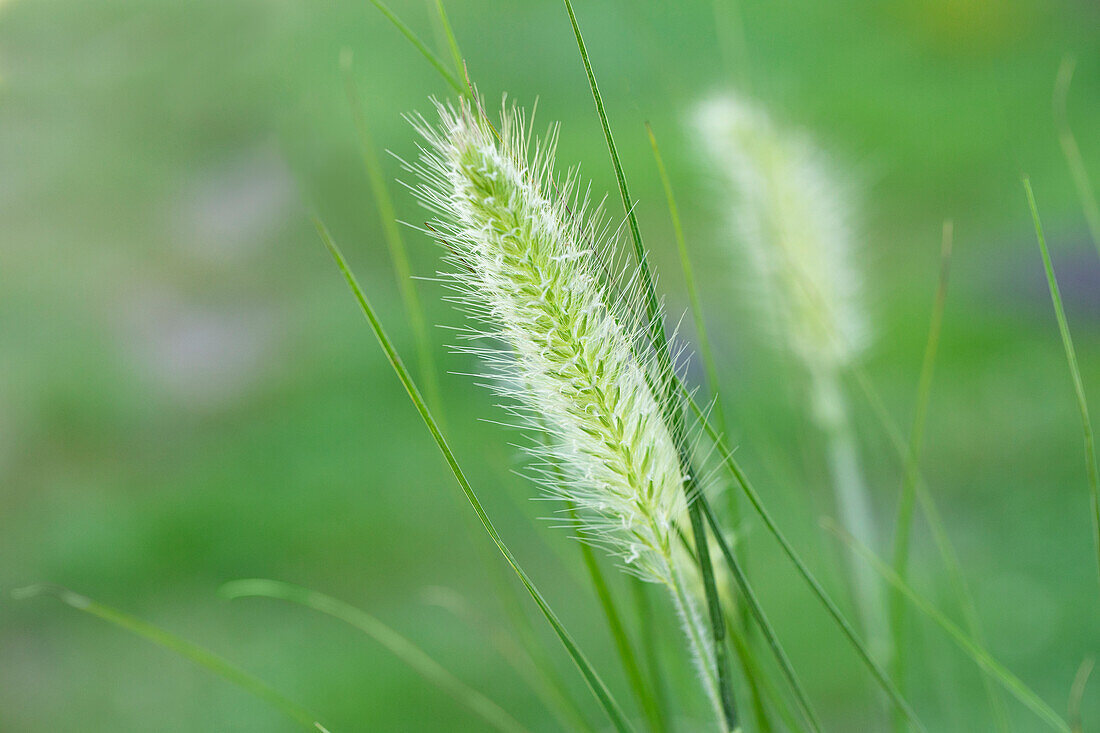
595,683
903,523
449,34
615,625
766,628
1074,370
907,504
395,243
1072,152
197,654
980,656
742,480
669,404
400,646
1077,693
705,350
421,47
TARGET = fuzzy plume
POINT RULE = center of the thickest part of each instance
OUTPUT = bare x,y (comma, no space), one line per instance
558,333
791,217
525,251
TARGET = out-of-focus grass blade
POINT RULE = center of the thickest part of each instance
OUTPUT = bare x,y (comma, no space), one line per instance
742,480
761,618
452,42
1077,693
670,405
980,656
420,46
1072,152
197,654
907,502
401,647
394,241
1074,370
599,689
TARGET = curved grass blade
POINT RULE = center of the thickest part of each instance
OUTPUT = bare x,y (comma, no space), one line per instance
401,647
536,674
1074,370
414,311
735,470
669,404
595,683
907,503
981,657
197,654
420,46
1072,152
452,42
1077,693
766,628
619,635
705,350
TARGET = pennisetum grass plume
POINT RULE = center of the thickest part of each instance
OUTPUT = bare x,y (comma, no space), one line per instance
524,246
791,220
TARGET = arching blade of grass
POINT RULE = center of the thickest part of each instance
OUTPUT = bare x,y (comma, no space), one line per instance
401,647
907,503
595,683
980,656
766,628
420,46
669,404
449,34
1077,693
414,311
538,675
1074,370
705,351
619,635
1072,152
739,476
197,654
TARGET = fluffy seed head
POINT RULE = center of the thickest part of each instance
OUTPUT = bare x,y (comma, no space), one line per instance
792,219
524,246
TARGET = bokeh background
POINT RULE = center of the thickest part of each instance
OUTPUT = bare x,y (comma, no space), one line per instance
188,394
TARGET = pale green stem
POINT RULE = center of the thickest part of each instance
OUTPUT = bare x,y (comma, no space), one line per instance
1073,152
853,504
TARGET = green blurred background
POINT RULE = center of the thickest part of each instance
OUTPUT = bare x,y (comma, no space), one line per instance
188,394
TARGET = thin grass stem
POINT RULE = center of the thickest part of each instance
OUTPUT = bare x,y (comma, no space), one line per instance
401,647
167,640
733,467
1072,152
1074,370
670,404
591,677
426,52
980,656
395,243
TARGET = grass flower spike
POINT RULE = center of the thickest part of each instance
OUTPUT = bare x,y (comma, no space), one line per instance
525,247
791,218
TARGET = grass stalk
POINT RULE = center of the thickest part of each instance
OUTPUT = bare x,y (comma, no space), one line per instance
395,243
412,655
618,631
1074,370
734,468
449,34
980,656
167,640
670,403
420,46
1072,152
591,677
